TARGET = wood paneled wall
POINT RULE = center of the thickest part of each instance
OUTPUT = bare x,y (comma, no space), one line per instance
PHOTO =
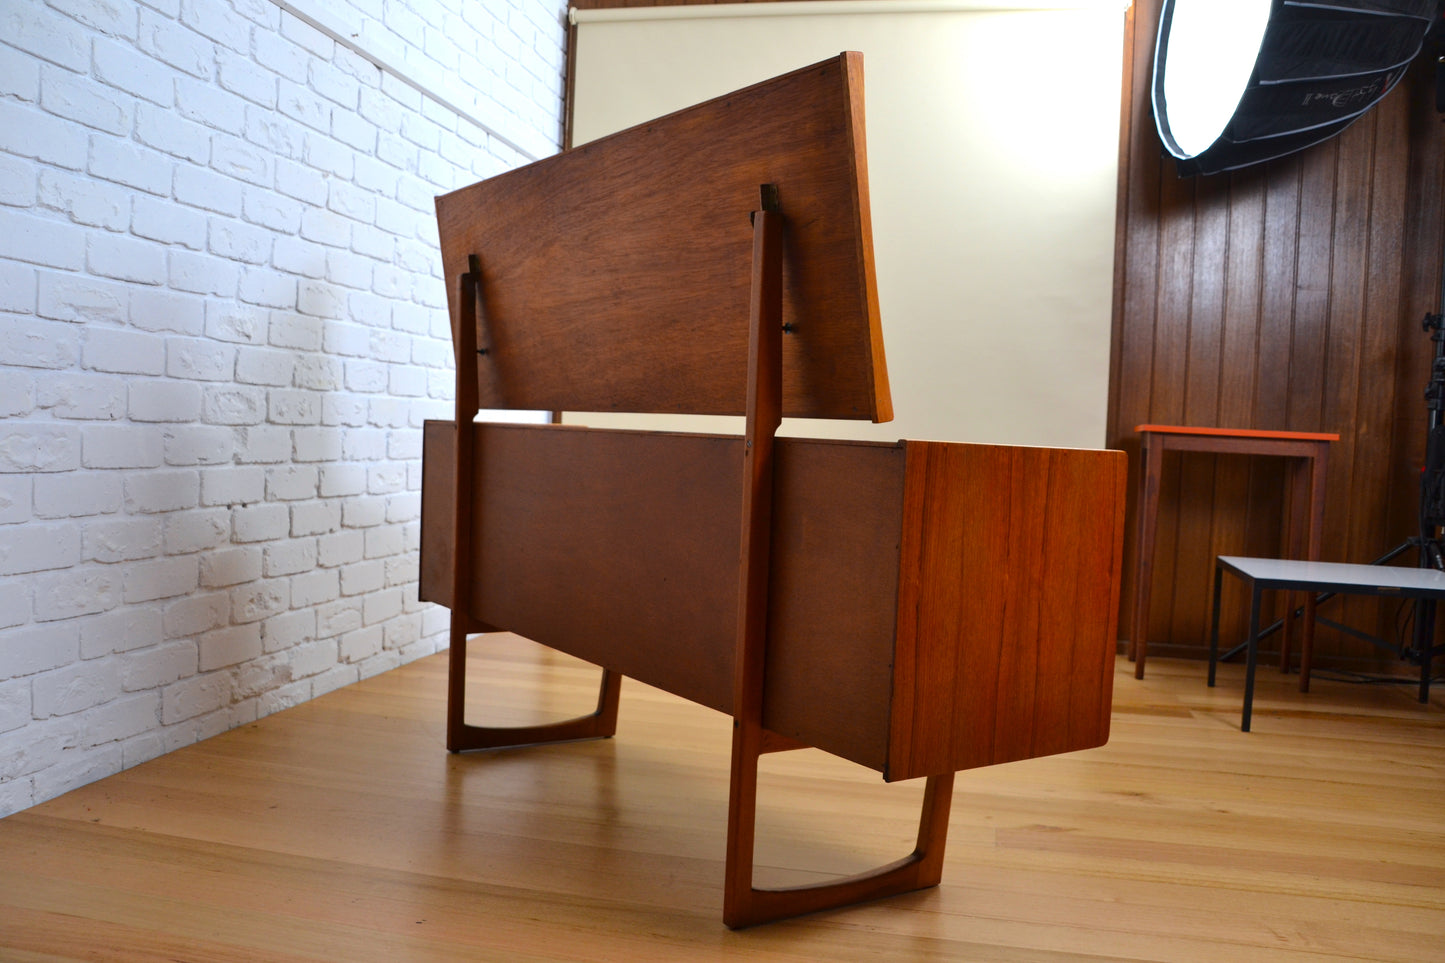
1285,296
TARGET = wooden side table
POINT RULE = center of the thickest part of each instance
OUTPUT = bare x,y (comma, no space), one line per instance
1308,452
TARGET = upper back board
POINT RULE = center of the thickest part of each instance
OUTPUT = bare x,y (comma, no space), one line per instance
615,276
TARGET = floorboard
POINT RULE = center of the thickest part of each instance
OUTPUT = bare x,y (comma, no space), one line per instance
341,830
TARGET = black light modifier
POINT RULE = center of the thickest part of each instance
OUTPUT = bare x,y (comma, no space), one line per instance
1239,82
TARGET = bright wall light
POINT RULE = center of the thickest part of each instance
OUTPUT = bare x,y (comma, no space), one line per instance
1238,82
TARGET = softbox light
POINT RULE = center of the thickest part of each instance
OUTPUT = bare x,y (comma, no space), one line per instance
1238,82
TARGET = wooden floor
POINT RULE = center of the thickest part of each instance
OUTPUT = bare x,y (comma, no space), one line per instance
341,830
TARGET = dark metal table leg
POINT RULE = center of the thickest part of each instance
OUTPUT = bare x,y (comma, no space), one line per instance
1251,653
1214,624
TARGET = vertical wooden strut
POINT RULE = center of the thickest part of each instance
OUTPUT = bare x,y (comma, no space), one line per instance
744,904
461,737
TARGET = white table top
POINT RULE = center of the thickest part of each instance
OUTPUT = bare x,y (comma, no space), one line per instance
1388,579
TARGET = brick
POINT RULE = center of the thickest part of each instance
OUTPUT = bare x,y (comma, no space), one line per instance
363,444
15,706
193,697
120,66
159,666
27,132
39,448
39,344
293,407
17,289
122,446
233,405
301,182
233,486
82,396
259,600
122,539
366,376
123,352
314,588
125,259
162,491
292,629
270,210
266,288
197,531
242,76
169,223
337,617
407,382
122,718
161,578
203,274
169,41
197,613
325,227
84,101
363,577
380,606
29,237
238,241
298,256
265,445
361,644
79,591
199,445
85,201
231,566
289,330
229,646
353,131
39,649
385,479
78,494
347,270
37,547
277,53
318,373
265,366
234,157
74,688
208,190
125,629
317,444
260,523
328,155
199,359
289,557
279,136
403,570
167,400
74,297
383,541
217,22
127,163
315,518
238,323
303,34
45,33
15,503
159,127
19,75
301,105
339,480
291,482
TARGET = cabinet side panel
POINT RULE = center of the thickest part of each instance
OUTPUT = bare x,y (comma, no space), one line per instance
438,511
1009,566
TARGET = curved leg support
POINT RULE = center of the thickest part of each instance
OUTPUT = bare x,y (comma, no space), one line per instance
600,724
746,905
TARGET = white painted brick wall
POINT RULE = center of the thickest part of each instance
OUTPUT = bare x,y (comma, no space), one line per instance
221,326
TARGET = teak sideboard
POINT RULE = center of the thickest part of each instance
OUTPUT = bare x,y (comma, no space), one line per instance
918,608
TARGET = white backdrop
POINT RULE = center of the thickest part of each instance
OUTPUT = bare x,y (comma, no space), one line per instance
992,152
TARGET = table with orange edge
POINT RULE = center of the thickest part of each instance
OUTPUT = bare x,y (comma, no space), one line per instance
1308,452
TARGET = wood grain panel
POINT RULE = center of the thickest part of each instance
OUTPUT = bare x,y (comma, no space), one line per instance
1284,296
672,334
1006,604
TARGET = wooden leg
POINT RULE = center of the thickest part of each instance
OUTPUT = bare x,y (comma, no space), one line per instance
1151,467
746,905
599,724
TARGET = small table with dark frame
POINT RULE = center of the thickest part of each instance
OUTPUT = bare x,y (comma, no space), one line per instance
1261,574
